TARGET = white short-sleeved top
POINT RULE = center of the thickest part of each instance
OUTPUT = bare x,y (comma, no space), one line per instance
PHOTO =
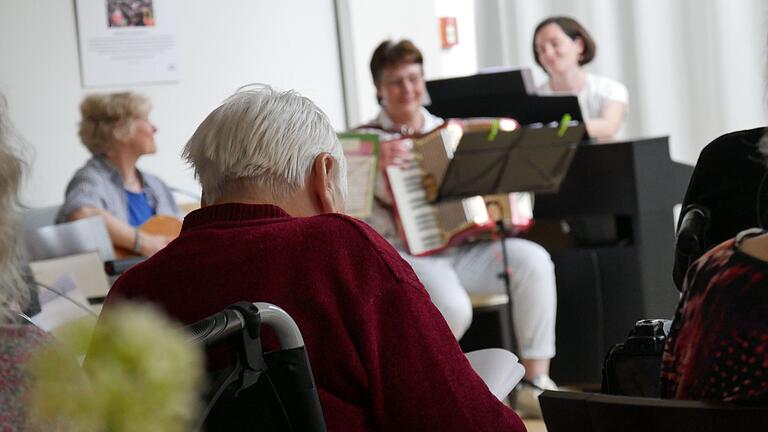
595,94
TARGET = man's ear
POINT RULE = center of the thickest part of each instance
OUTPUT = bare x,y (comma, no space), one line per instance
322,183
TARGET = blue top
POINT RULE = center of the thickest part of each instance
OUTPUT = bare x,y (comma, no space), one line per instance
139,209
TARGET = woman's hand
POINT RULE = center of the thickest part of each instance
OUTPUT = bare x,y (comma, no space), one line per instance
397,152
151,244
123,236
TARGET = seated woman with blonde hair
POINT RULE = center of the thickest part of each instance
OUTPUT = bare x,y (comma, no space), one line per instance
116,130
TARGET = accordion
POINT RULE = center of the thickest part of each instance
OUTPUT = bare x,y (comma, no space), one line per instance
427,226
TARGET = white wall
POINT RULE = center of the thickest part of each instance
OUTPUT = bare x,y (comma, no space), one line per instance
223,45
694,68
460,59
363,24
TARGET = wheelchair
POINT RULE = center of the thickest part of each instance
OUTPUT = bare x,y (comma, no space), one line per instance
273,391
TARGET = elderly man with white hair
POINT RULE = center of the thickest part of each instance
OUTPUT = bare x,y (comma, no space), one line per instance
273,179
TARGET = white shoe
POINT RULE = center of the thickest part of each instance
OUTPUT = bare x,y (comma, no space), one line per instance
527,395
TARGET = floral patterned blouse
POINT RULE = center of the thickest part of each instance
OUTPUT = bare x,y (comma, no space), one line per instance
17,343
717,348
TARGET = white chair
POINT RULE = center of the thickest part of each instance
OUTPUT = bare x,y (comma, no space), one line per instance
82,235
499,369
35,218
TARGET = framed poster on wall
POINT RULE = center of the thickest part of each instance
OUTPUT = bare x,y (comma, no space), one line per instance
126,42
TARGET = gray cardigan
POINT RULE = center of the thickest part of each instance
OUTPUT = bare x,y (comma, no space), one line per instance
98,184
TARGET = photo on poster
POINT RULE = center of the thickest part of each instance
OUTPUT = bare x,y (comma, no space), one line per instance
127,42
130,13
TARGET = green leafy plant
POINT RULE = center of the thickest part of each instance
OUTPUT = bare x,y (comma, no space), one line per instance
141,374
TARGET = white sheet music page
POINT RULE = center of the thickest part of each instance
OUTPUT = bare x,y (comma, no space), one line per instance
86,269
361,152
57,304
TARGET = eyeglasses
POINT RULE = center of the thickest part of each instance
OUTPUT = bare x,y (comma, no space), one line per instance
413,79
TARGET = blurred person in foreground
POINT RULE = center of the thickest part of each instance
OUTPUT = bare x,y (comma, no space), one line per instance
18,338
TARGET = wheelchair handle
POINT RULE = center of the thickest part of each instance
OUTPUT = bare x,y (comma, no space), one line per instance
215,328
282,323
209,331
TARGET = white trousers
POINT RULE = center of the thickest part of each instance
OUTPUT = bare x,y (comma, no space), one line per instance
449,276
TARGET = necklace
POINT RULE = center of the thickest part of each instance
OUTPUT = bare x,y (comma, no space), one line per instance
406,130
133,185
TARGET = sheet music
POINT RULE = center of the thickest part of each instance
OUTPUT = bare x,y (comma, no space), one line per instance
55,310
361,152
82,235
86,269
435,150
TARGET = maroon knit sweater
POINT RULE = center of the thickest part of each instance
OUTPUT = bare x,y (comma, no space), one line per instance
382,355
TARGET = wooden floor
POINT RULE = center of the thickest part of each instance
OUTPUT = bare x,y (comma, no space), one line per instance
535,425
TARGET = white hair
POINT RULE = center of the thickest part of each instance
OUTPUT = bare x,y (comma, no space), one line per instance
13,291
109,116
265,137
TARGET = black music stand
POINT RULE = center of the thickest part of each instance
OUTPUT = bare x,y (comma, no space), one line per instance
526,159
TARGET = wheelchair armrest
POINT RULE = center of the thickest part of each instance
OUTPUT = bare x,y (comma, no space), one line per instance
119,266
691,240
692,234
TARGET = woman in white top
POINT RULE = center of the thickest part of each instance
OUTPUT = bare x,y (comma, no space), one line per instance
561,46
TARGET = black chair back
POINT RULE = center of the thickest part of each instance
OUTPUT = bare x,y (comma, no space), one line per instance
691,240
272,391
591,412
729,181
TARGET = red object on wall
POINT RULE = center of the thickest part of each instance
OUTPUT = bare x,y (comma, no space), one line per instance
449,32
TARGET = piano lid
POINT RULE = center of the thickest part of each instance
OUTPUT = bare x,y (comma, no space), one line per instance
499,94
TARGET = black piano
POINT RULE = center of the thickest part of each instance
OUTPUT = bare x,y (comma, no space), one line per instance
613,262
610,231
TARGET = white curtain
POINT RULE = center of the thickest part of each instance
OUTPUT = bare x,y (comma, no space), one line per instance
694,68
